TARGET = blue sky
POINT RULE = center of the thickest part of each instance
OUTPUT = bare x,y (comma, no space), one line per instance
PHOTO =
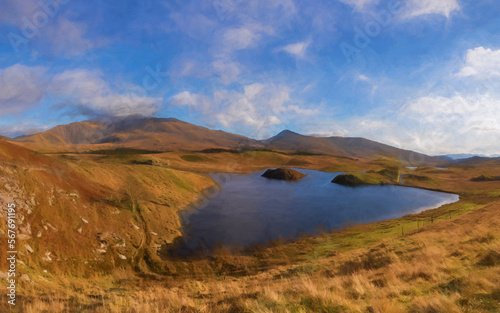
417,74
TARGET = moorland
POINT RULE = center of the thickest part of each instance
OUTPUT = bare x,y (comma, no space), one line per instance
98,206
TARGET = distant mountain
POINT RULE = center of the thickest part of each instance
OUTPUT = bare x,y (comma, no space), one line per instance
460,156
346,146
159,134
476,160
169,134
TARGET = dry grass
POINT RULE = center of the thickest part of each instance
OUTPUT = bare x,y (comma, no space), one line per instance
443,260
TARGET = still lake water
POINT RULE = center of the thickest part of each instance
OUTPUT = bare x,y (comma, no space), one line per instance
251,209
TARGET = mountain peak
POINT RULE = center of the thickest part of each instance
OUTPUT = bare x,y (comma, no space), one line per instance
282,135
285,133
138,132
288,132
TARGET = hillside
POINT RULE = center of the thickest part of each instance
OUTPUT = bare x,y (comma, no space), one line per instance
147,133
344,146
93,230
169,134
80,217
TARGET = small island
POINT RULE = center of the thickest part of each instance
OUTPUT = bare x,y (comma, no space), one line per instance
348,180
283,174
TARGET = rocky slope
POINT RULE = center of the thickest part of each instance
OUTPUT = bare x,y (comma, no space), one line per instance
78,216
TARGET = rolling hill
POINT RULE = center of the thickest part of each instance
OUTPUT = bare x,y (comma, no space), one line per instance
94,231
169,134
344,146
148,133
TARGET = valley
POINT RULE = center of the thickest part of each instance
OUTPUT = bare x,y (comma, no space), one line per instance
95,224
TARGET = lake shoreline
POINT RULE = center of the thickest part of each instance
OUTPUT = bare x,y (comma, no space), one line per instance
187,212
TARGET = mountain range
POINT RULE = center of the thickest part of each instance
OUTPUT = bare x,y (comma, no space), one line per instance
460,156
170,134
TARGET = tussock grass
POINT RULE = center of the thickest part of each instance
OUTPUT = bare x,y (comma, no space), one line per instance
442,260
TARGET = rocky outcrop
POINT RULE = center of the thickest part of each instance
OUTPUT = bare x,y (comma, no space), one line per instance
486,178
283,174
348,180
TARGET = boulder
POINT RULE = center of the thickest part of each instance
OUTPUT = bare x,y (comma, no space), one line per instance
283,174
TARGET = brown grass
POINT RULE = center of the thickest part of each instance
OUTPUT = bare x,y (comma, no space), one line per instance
443,260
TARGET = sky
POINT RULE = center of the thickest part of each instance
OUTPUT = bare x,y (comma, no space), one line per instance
422,75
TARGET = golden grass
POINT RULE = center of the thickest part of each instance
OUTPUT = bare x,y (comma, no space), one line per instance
442,260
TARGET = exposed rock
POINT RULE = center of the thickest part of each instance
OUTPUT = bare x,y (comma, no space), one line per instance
74,195
121,256
23,237
51,227
122,244
85,221
25,277
108,238
47,257
348,180
101,251
283,174
28,248
25,229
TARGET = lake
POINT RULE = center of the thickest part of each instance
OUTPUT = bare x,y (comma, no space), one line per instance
250,209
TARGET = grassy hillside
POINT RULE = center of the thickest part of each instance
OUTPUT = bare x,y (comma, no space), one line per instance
345,146
168,134
95,227
159,134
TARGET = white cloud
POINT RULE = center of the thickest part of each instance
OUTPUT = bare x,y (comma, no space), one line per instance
11,11
454,124
412,8
363,78
481,63
228,30
227,71
195,25
68,37
297,49
20,87
22,127
193,101
359,4
257,111
88,89
46,26
434,125
240,38
424,7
